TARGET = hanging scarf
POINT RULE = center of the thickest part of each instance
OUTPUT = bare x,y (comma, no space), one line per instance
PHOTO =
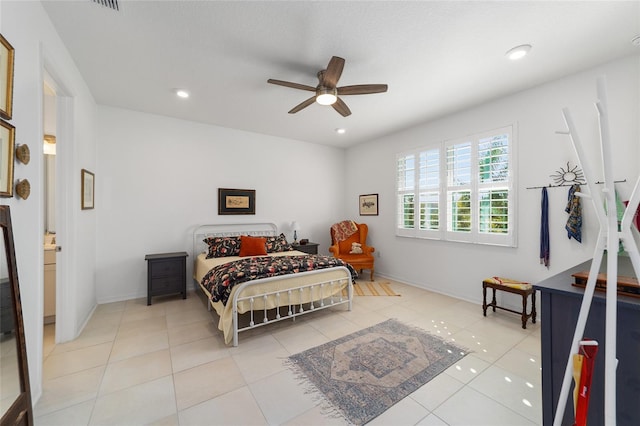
544,229
574,222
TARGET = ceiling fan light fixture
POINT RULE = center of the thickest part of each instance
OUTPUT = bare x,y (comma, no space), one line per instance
518,52
326,96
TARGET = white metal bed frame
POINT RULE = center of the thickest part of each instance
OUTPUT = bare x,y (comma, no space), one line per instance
283,297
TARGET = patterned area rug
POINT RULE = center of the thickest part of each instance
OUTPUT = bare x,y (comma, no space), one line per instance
363,374
372,288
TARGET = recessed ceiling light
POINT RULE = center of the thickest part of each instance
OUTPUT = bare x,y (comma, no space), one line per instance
181,93
518,52
341,131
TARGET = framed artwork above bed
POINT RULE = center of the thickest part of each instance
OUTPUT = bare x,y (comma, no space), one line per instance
236,201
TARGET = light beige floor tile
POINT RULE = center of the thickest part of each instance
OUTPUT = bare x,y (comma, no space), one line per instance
404,412
78,414
432,420
436,391
206,381
334,326
110,307
523,364
469,407
258,364
141,326
270,393
91,337
60,364
197,353
506,334
530,345
467,368
299,337
48,340
519,394
237,407
137,405
69,390
195,331
401,314
138,345
137,309
135,370
170,420
318,415
178,319
250,342
104,319
481,346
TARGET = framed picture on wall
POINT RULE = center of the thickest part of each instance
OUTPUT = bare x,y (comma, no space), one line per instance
88,189
7,138
236,201
6,78
369,205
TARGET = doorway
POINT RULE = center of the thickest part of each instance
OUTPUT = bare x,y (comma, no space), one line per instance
49,148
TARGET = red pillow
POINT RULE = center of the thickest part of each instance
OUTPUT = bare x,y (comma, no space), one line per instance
252,246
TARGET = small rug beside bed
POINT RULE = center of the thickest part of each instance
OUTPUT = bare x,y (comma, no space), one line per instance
364,373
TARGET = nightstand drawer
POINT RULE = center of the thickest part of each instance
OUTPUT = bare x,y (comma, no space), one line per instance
166,268
166,285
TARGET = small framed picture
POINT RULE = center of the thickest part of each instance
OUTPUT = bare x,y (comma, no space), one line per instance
369,205
88,190
6,78
7,139
236,201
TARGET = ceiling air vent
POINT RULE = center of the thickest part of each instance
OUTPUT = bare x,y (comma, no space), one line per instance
113,4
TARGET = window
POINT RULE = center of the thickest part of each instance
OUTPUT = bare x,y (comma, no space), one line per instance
459,190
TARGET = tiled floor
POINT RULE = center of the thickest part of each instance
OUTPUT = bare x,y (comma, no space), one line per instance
166,364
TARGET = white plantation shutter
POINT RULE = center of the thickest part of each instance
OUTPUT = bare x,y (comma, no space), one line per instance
459,190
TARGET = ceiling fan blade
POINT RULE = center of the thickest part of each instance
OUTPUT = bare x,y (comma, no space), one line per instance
292,85
362,89
342,108
333,72
302,105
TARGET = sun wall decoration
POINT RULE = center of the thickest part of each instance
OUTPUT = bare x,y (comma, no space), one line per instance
568,176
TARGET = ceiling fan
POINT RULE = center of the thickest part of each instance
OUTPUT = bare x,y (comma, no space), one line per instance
327,91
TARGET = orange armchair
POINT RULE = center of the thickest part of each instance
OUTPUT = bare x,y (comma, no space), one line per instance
341,249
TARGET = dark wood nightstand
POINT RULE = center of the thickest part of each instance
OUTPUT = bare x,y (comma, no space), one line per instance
166,274
309,248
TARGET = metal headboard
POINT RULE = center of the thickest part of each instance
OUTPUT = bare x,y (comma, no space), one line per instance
230,230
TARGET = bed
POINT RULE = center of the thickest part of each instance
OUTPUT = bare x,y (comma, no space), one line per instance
269,299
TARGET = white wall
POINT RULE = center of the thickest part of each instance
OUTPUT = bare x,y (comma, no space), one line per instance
26,26
158,178
458,268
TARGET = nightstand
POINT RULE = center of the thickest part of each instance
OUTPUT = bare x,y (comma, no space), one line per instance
309,248
166,274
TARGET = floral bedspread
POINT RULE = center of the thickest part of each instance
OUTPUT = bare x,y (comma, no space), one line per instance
220,280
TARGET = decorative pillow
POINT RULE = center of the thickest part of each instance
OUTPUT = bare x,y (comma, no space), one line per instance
252,246
277,244
222,246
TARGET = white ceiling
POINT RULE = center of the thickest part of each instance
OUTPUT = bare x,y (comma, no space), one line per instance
436,56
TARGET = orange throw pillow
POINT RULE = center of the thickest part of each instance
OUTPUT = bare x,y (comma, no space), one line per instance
252,246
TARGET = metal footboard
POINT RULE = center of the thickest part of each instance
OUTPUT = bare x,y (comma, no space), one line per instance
298,300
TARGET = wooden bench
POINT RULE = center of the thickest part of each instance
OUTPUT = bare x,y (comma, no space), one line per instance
510,286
